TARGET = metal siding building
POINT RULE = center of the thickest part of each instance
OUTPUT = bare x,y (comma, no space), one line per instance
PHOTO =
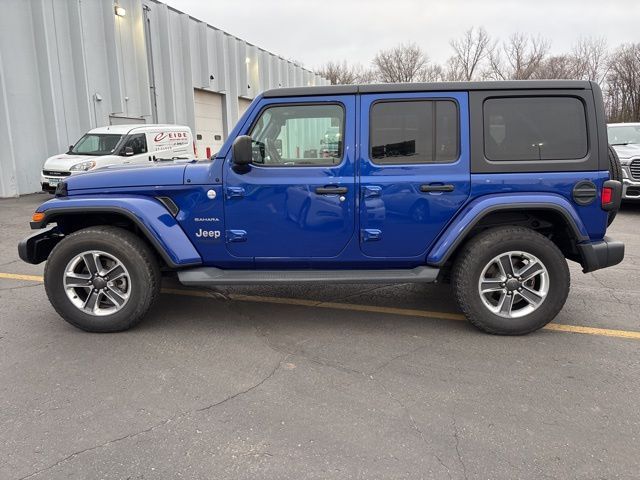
67,66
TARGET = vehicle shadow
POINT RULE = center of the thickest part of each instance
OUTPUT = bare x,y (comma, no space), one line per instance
359,309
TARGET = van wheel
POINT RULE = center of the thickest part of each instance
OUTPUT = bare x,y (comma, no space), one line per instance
102,279
510,280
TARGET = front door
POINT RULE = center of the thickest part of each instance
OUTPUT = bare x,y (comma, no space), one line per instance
137,142
414,165
297,199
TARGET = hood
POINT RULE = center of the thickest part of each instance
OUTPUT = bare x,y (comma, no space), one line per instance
627,151
128,176
63,162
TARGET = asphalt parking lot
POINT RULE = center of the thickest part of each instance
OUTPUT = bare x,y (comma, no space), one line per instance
319,382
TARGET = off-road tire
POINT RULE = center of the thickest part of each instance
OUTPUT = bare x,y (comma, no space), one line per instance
479,251
131,251
615,173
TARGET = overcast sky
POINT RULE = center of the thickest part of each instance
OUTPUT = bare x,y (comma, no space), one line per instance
315,31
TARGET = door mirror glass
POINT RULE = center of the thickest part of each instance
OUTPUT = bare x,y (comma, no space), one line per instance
242,150
128,151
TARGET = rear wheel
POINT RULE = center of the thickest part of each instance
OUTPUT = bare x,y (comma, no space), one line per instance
510,280
102,279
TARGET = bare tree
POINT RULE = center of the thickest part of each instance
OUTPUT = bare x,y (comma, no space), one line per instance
556,67
517,58
404,63
590,59
470,51
341,73
434,73
366,75
338,73
623,84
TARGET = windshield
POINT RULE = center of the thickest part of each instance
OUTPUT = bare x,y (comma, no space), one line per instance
624,135
96,144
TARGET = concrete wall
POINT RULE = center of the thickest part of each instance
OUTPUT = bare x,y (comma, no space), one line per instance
67,66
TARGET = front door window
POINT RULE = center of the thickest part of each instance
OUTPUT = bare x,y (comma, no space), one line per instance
298,136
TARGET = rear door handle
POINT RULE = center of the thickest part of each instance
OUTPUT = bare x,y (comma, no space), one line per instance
329,190
436,188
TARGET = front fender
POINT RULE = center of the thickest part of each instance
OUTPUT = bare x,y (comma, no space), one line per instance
471,214
148,214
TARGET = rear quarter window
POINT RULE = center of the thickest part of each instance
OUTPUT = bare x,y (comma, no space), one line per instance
535,128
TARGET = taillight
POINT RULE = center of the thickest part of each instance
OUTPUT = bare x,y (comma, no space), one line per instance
611,195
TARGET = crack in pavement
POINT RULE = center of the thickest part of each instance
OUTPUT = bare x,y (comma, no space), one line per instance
397,357
8,289
243,392
10,262
365,291
159,424
457,439
297,350
413,423
607,288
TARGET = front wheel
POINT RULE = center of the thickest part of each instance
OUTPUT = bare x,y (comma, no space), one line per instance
102,279
510,280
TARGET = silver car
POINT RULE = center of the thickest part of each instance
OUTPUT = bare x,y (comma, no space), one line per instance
625,139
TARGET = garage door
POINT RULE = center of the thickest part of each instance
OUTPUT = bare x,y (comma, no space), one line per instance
243,104
209,126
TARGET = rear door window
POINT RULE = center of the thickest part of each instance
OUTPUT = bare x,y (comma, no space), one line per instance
414,132
535,128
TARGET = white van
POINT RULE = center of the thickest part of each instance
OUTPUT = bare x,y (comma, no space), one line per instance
119,145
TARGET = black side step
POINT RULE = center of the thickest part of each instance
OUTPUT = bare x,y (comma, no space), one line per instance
204,276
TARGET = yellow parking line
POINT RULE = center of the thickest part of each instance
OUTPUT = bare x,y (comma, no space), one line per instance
603,332
407,312
15,276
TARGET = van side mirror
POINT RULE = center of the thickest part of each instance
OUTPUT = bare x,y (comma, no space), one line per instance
241,152
128,151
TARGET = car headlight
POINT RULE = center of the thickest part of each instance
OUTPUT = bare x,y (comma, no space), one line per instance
624,173
83,166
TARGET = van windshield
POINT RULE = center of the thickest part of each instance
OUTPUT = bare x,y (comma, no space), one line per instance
96,144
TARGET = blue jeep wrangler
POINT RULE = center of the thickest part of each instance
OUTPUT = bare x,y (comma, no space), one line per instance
490,186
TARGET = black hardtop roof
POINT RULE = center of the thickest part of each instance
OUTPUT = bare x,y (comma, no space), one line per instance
429,87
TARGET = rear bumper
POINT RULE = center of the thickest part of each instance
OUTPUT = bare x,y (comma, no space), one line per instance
601,254
37,247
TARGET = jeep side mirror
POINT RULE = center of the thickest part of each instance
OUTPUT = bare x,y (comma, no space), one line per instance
128,151
241,152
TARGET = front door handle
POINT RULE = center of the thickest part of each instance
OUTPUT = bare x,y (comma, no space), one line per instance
232,192
436,187
330,190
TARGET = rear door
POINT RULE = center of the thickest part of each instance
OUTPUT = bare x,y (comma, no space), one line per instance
297,200
414,167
